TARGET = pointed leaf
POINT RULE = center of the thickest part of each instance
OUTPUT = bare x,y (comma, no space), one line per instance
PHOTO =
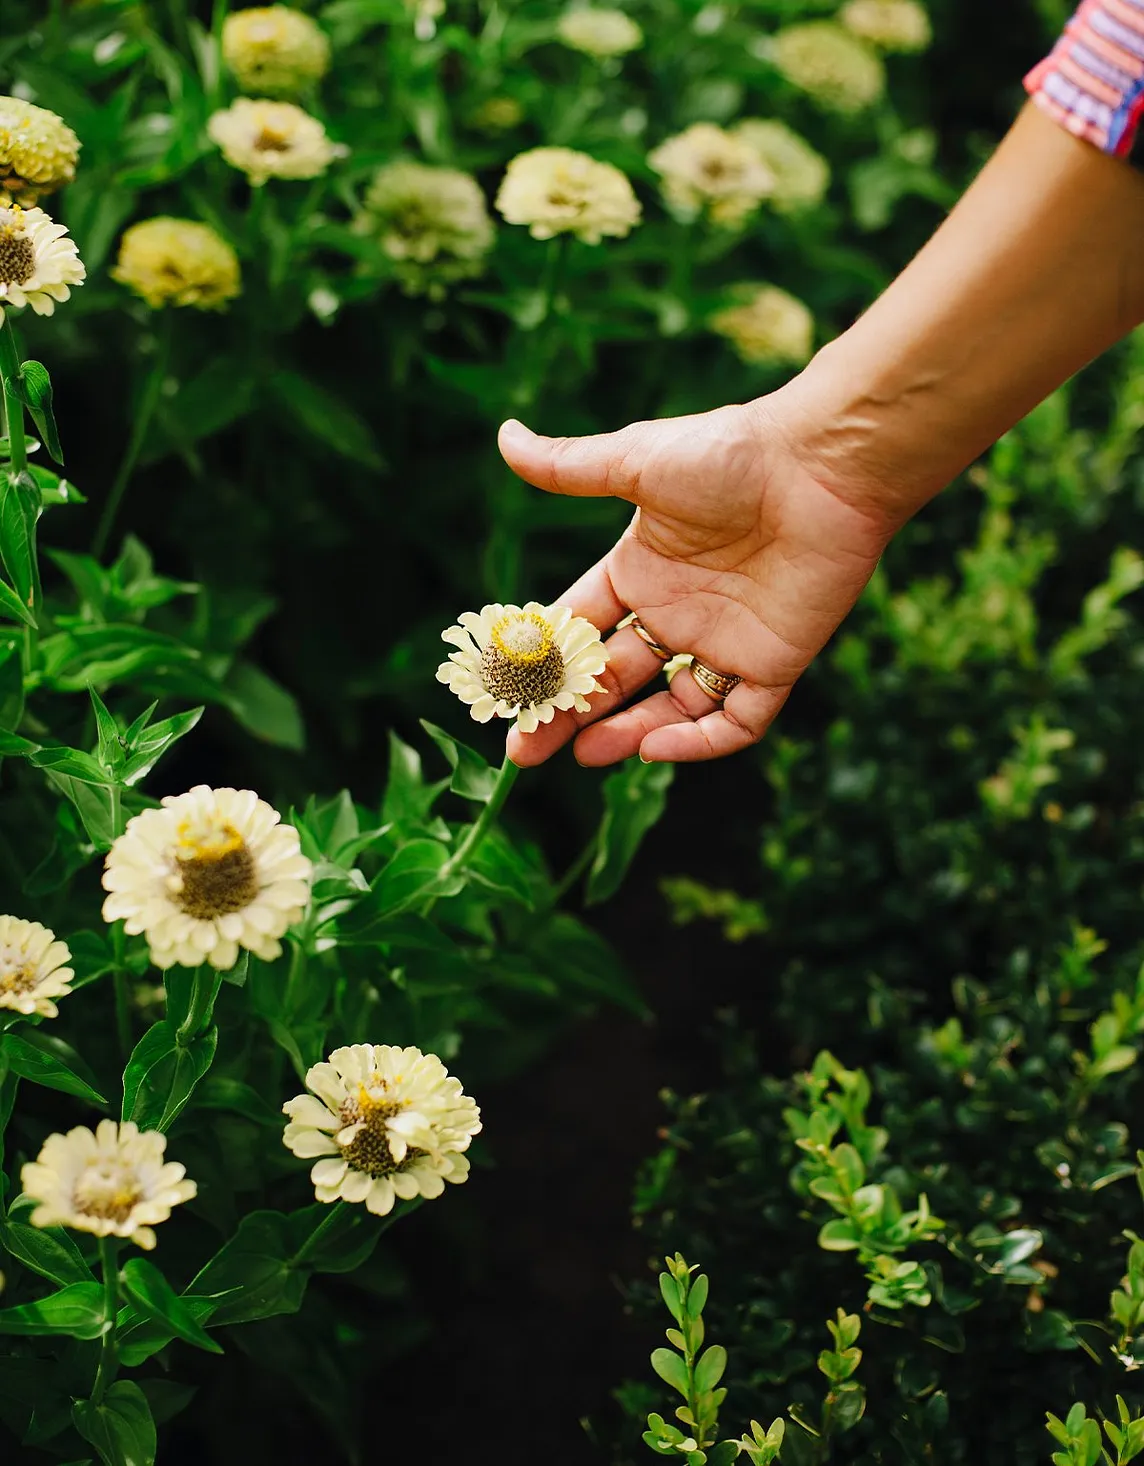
120,1428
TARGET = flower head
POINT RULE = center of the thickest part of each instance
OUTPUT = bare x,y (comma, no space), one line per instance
113,1182
598,31
178,262
560,191
38,262
274,50
272,140
523,662
891,25
800,175
38,151
840,72
767,326
210,872
708,169
433,223
386,1122
33,970
498,114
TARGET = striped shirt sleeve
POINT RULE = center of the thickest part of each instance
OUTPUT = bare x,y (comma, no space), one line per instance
1093,82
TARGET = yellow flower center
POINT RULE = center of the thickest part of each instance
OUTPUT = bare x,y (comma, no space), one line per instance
18,978
369,1150
271,140
215,871
522,663
17,252
107,1191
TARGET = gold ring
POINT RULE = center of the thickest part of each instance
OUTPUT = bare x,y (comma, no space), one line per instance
645,636
715,684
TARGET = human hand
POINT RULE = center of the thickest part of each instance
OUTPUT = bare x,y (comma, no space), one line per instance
738,552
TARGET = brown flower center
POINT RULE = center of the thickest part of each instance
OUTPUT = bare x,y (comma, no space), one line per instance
19,979
270,140
107,1191
522,662
369,1150
17,252
216,873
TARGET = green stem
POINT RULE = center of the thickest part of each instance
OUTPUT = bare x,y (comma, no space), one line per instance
204,991
318,1235
146,411
13,403
109,1353
483,823
122,991
576,869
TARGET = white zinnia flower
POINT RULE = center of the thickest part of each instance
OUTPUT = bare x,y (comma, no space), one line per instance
801,175
210,872
523,662
38,262
387,1123
272,140
560,191
706,168
274,49
891,25
32,967
599,31
840,72
114,1182
432,222
767,327
38,151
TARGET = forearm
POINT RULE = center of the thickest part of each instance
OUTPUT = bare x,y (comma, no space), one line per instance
1038,269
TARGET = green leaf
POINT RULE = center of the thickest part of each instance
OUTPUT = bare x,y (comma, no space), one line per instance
254,1263
669,1289
76,1310
13,607
838,1235
671,1369
709,1370
35,388
408,799
141,1338
501,867
107,729
32,1058
120,1427
19,507
634,799
162,1073
154,1297
400,884
473,778
148,745
264,707
49,1251
325,418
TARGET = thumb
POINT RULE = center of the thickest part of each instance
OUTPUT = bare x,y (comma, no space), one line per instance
607,463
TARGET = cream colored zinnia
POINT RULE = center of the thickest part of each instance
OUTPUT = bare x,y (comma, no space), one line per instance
891,25
433,223
560,191
766,326
840,72
801,175
113,1182
498,114
178,262
33,968
524,662
210,872
38,262
383,1123
274,50
708,170
38,151
272,140
599,31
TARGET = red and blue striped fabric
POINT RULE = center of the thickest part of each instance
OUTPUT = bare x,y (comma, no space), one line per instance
1093,82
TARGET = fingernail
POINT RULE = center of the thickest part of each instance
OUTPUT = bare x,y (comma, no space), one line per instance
514,429
646,760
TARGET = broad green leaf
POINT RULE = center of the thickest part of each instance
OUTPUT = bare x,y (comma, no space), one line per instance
634,799
19,506
473,778
400,884
154,1297
254,1266
838,1235
671,1369
148,745
709,1370
501,867
140,1338
71,763
264,707
318,414
408,799
35,387
162,1073
31,1056
120,1427
76,1310
49,1251
13,607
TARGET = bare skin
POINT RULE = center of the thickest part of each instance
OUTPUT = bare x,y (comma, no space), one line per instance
757,526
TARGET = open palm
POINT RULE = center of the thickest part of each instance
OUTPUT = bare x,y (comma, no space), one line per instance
736,553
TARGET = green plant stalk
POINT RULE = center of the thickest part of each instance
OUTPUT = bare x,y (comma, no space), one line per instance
207,982
109,1352
13,402
122,991
147,406
483,823
577,869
